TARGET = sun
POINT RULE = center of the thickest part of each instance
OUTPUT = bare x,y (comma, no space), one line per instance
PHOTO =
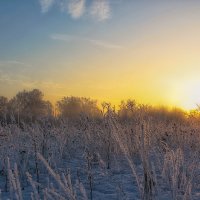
184,93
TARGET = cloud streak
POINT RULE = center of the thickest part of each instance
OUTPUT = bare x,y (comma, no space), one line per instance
104,44
13,71
19,74
97,9
14,63
95,42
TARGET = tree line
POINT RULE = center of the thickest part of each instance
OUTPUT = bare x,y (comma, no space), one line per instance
30,106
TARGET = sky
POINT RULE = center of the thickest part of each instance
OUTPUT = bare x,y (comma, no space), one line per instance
109,50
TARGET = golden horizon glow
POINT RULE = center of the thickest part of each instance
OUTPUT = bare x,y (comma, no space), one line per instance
147,52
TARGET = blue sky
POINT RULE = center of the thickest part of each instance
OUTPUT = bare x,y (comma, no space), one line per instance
100,48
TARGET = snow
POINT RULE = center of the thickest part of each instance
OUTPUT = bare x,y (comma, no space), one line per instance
72,160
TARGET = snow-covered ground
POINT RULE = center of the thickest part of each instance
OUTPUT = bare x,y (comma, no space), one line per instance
100,159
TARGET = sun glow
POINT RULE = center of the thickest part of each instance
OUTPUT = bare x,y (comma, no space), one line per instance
186,93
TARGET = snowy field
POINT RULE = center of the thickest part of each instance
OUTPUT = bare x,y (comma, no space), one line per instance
104,158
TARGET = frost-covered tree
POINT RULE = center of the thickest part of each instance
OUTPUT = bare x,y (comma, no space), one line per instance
72,107
30,105
3,108
127,109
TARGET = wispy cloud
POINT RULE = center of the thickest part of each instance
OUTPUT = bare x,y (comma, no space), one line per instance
70,38
97,9
76,8
13,71
100,9
26,82
13,78
46,5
